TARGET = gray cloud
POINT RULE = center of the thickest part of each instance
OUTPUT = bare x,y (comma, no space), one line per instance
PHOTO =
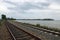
40,8
56,1
10,2
28,6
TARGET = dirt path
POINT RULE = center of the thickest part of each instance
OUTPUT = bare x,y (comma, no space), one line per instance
4,34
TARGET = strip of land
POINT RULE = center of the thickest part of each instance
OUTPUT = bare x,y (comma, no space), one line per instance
42,33
4,34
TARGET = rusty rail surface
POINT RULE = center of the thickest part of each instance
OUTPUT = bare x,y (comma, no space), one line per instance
19,34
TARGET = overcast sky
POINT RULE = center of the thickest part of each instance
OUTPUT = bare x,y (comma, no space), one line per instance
30,9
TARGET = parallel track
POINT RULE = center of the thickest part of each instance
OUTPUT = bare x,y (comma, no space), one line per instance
42,29
44,34
19,34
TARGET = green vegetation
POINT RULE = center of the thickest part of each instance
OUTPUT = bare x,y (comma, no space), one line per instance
0,22
48,28
37,25
3,17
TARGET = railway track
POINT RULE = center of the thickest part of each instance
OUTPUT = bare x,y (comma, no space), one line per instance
42,29
40,32
19,34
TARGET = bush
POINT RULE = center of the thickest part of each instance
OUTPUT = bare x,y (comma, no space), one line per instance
3,17
37,25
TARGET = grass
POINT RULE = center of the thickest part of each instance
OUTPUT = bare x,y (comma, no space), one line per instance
37,25
49,28
45,27
1,22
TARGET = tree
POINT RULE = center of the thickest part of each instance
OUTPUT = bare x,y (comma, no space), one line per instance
3,17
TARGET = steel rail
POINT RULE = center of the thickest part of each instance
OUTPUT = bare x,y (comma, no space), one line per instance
14,38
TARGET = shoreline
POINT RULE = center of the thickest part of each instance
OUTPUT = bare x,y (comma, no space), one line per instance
39,26
44,27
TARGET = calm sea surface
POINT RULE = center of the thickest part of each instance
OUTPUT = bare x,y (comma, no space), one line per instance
54,24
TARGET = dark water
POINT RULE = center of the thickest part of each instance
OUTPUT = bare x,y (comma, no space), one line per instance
54,24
